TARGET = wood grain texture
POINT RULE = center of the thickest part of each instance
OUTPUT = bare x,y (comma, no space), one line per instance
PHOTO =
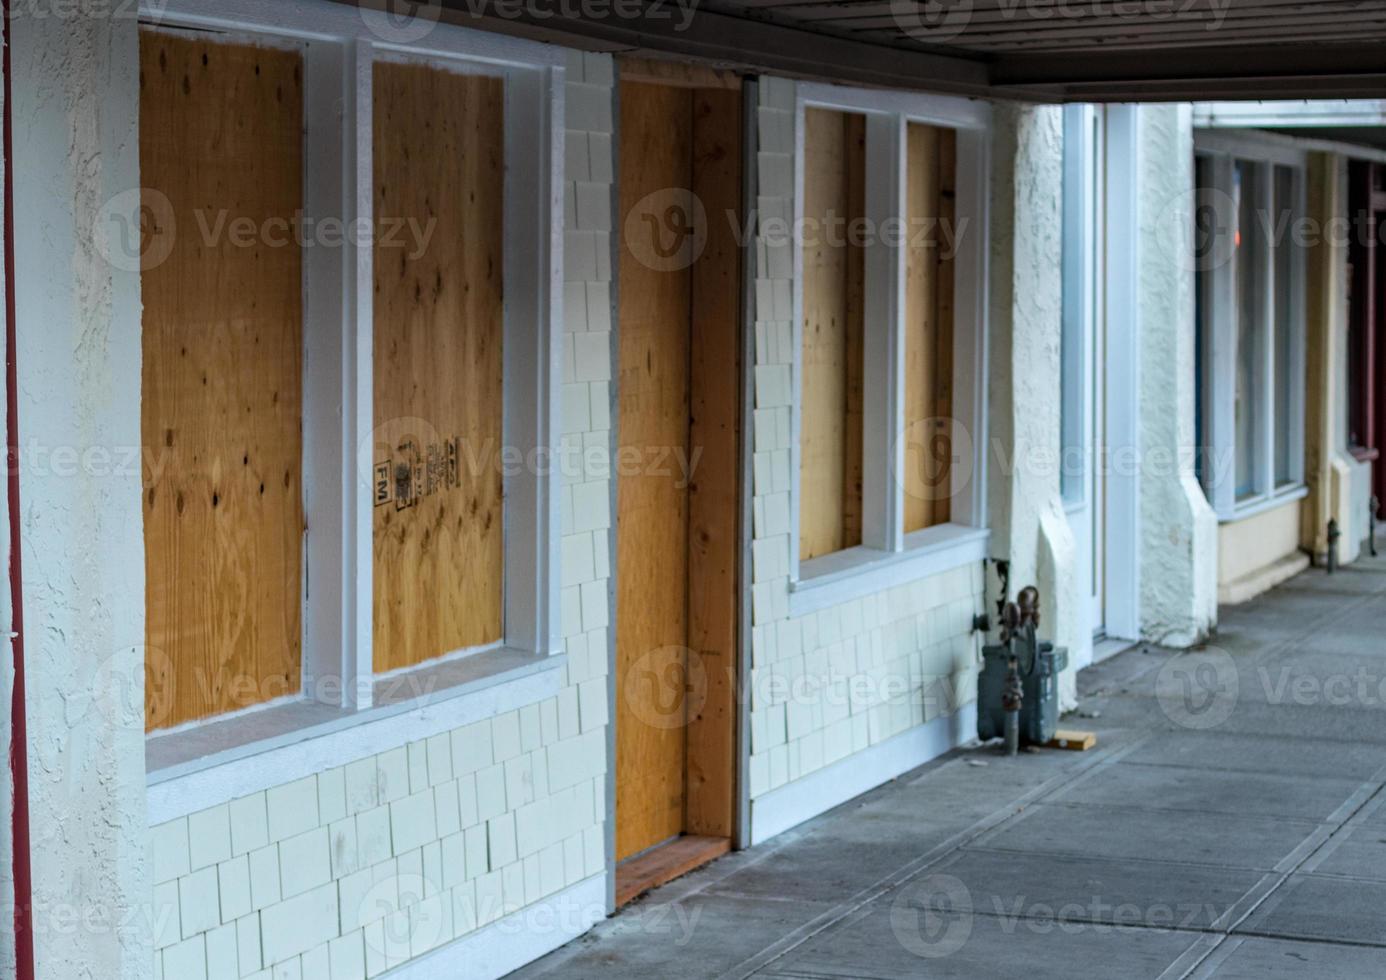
438,560
831,423
943,336
930,170
652,504
713,525
680,74
221,384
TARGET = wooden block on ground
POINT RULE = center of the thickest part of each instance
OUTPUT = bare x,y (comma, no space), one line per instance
663,864
1073,741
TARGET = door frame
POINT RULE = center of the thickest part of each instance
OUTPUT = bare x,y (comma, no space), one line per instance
1101,330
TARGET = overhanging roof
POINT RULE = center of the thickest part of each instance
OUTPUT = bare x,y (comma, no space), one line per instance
1044,50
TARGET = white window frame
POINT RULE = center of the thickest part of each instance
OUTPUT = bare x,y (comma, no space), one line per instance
1223,148
341,692
887,553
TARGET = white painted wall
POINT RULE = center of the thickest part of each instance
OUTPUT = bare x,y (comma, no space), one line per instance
1178,539
74,89
1025,506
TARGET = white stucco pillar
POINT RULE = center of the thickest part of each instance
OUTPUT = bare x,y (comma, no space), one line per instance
75,91
1179,531
1025,508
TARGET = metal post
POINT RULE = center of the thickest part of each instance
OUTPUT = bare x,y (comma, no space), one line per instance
1333,535
1372,506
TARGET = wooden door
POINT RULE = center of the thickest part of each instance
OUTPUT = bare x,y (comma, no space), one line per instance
678,462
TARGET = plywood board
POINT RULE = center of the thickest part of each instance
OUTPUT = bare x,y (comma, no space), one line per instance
652,500
831,422
713,525
948,237
680,74
662,865
928,326
438,523
221,157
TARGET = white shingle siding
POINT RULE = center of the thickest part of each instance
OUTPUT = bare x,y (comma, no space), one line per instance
359,869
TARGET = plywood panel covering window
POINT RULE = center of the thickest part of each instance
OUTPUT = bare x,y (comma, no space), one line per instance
931,232
439,177
830,469
221,421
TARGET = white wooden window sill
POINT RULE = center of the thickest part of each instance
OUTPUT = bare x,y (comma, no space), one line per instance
195,768
1259,505
856,572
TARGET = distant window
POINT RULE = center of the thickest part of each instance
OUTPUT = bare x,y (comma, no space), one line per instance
1250,324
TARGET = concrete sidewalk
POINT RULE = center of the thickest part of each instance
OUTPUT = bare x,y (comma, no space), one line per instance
1231,823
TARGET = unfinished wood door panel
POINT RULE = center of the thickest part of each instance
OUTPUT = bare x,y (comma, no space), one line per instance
834,274
652,503
714,506
930,171
439,168
221,383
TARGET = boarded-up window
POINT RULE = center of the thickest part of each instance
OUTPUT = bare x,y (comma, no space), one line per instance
221,153
439,181
830,448
931,241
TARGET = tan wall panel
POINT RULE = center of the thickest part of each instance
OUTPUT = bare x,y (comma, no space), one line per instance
221,387
438,527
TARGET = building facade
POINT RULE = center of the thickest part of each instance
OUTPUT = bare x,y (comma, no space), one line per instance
453,466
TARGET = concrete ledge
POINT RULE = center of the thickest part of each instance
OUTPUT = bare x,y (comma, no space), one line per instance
520,938
1252,584
793,803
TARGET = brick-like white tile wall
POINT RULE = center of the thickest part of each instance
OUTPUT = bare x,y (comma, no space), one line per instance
848,677
356,870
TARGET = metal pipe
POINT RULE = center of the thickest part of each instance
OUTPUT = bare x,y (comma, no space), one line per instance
1373,506
1012,699
19,738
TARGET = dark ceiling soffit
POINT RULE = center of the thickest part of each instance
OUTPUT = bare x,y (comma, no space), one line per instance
1270,72
733,41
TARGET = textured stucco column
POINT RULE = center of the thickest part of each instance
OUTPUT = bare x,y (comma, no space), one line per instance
78,306
1029,528
1330,472
1179,531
